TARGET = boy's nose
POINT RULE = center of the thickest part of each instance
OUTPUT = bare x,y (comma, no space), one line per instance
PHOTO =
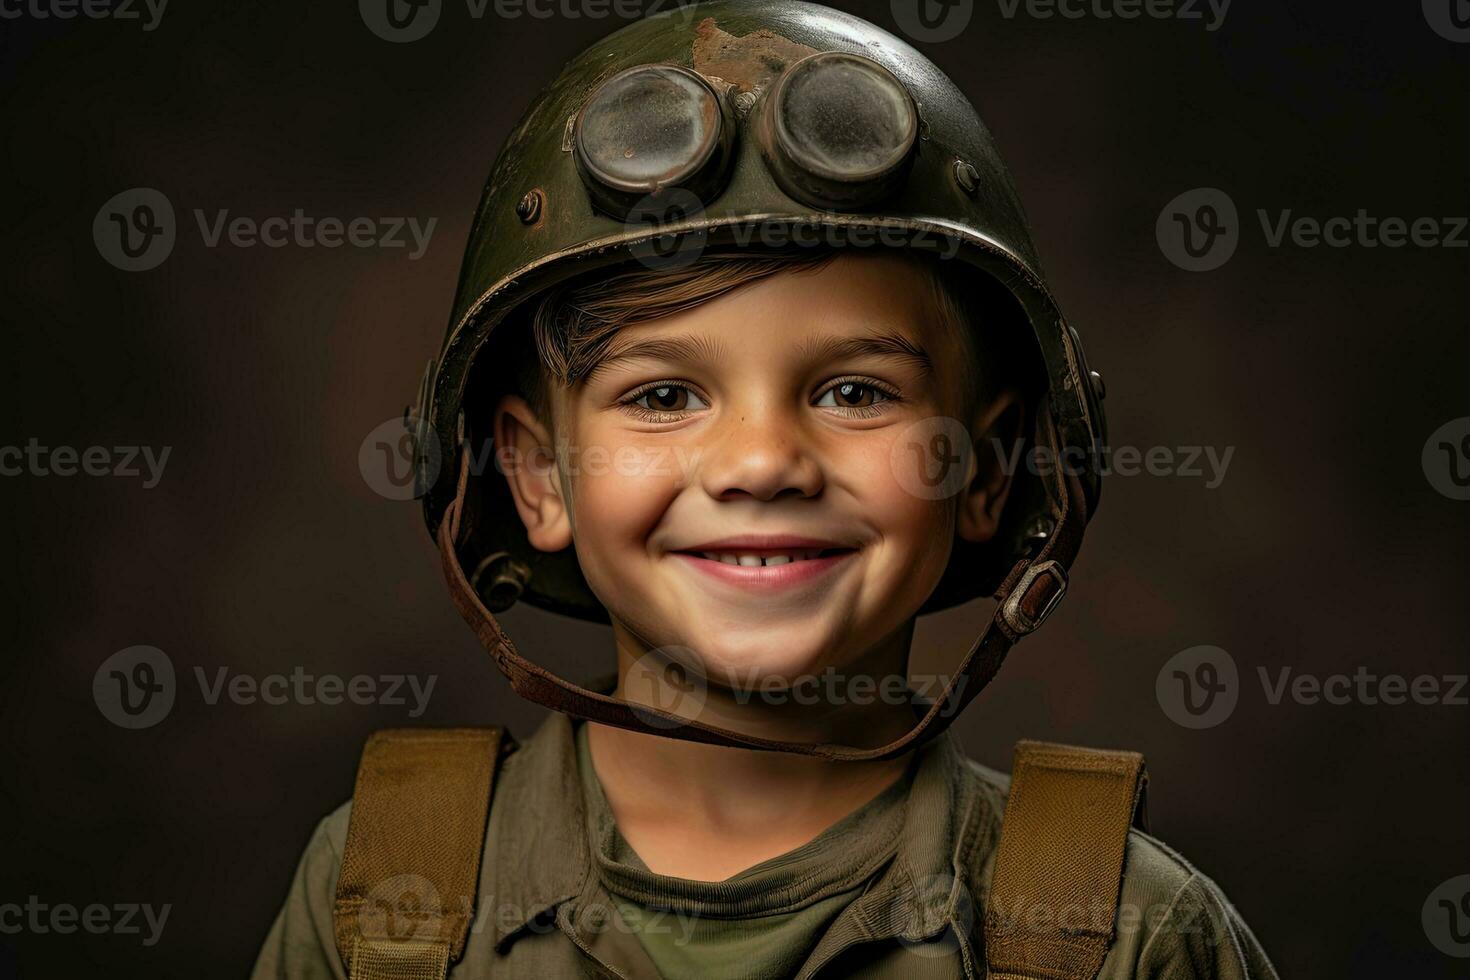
761,454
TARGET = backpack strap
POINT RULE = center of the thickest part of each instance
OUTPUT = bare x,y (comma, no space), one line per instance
1058,872
411,864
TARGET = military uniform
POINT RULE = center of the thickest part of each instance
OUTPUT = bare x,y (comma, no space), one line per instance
552,874
731,124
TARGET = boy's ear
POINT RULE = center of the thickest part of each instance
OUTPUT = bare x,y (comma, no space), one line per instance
525,455
984,495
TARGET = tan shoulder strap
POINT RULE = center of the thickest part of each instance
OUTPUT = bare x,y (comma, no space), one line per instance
1059,865
411,865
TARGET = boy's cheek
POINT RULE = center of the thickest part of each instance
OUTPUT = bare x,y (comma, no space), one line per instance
620,494
922,530
915,521
882,475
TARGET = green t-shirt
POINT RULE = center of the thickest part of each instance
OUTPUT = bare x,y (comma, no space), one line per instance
762,922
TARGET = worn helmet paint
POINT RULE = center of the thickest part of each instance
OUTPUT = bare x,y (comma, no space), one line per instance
750,91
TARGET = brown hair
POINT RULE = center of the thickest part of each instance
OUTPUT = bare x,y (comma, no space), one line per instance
574,324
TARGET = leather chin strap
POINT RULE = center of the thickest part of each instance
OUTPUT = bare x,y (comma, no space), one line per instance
1031,590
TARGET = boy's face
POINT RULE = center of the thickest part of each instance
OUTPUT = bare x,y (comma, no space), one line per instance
756,425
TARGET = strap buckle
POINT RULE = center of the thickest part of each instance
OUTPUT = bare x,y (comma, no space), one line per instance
1013,612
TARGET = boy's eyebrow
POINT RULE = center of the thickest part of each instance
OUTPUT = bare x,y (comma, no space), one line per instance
827,348
879,345
665,348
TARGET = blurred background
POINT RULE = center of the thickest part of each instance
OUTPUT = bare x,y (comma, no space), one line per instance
261,549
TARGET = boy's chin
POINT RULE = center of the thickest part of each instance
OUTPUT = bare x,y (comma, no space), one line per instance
744,668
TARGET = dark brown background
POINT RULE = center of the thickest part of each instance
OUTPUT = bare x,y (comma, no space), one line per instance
263,549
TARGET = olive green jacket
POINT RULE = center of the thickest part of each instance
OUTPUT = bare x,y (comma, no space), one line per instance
543,911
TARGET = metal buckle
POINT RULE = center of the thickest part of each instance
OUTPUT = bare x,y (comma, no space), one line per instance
1010,610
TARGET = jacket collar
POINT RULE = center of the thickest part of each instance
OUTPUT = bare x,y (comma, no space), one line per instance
539,859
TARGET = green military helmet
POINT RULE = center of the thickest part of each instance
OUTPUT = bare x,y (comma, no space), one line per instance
682,132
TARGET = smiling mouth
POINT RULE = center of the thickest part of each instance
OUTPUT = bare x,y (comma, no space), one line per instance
766,558
767,569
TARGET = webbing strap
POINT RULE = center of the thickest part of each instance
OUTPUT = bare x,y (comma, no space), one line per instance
1059,866
1028,594
411,864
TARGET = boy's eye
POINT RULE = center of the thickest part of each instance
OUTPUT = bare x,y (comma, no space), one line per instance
852,394
668,398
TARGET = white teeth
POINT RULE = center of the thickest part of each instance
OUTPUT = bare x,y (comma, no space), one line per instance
751,561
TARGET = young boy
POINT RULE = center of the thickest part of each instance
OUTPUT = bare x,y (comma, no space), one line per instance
752,322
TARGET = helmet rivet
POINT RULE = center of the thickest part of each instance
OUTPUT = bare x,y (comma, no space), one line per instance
966,176
499,580
528,209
